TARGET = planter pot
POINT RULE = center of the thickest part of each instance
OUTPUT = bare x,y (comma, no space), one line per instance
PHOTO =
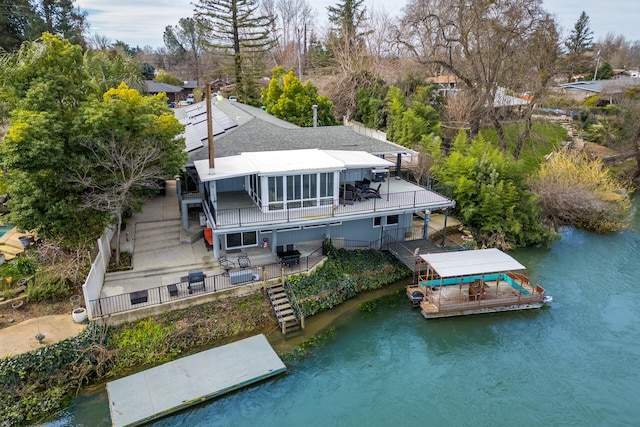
17,304
75,301
25,241
79,314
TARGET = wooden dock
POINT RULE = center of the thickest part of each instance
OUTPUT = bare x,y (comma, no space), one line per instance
159,391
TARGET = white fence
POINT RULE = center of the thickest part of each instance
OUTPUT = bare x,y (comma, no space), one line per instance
95,279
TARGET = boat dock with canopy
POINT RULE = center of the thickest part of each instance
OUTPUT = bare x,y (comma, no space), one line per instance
473,282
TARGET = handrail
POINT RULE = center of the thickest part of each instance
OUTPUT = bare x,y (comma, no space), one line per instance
294,302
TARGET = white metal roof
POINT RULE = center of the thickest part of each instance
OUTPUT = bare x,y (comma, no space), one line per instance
356,159
286,161
467,263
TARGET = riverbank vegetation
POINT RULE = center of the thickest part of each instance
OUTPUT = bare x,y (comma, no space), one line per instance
39,383
343,275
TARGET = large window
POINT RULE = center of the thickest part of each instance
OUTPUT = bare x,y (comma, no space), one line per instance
239,240
276,193
310,189
294,191
302,190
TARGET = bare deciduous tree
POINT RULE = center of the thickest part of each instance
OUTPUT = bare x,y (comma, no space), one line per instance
487,46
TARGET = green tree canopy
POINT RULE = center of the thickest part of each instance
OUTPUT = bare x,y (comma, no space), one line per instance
287,98
128,144
414,125
56,109
491,195
164,77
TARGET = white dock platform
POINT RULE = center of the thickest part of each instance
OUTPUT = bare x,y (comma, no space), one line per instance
176,385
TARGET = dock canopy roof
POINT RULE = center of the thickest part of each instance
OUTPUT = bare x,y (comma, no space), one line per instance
469,263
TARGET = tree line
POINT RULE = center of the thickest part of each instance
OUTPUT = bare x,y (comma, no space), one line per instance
500,59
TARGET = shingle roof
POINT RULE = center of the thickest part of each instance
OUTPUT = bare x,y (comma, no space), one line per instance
156,87
259,131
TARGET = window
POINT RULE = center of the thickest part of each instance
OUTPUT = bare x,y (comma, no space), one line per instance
304,190
239,240
293,187
377,221
392,220
326,184
275,193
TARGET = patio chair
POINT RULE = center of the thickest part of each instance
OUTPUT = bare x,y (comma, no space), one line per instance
226,264
371,193
244,261
348,198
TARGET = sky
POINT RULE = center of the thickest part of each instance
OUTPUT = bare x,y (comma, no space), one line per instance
142,22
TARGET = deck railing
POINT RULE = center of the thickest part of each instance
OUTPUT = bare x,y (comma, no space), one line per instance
106,306
487,303
419,199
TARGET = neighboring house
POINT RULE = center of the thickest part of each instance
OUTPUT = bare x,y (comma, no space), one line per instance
447,84
173,92
579,91
274,184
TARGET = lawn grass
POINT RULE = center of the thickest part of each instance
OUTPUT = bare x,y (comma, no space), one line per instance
544,138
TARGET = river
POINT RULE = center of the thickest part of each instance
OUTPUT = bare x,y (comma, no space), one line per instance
575,362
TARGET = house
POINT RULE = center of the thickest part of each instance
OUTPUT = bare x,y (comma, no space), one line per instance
447,84
173,92
272,184
581,90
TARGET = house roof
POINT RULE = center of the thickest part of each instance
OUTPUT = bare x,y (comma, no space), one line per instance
157,87
258,131
617,85
282,162
195,120
468,263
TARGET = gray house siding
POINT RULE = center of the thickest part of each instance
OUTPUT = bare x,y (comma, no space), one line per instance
359,232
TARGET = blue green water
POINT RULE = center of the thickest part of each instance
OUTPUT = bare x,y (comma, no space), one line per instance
4,229
575,362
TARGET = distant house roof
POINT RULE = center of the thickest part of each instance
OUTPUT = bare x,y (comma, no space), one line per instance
157,87
257,131
190,84
446,79
618,85
279,162
503,99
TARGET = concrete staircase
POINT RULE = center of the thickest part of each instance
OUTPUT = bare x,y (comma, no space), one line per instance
283,309
155,245
153,236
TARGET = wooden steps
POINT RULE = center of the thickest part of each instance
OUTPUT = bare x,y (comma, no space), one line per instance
10,244
282,307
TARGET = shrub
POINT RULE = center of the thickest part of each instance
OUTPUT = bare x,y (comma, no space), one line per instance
47,286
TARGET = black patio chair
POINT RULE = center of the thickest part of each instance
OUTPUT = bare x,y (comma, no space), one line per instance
226,264
244,261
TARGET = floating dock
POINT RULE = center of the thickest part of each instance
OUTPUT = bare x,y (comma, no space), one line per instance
159,391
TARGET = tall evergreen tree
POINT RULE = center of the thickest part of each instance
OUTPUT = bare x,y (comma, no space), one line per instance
346,18
237,28
16,18
581,38
62,17
579,42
